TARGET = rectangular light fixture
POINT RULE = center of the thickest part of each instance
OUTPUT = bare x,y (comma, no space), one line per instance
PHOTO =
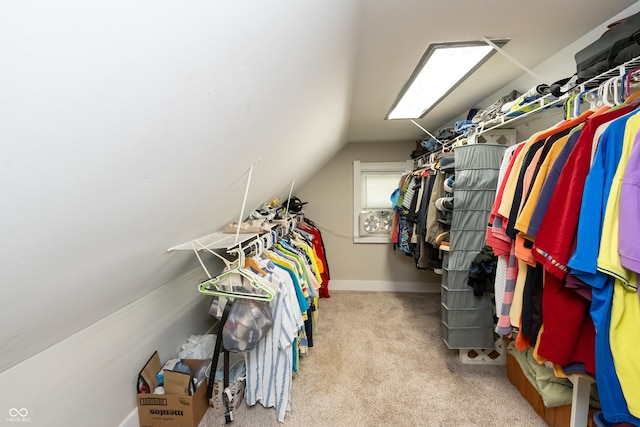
443,67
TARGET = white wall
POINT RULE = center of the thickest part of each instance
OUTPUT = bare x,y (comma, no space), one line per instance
90,377
127,127
562,64
330,196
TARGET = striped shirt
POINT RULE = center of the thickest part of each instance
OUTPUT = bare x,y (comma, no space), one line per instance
270,363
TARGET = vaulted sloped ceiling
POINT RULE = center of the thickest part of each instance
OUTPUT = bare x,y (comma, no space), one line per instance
128,127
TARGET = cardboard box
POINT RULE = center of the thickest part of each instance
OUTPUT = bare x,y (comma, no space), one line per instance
175,408
554,417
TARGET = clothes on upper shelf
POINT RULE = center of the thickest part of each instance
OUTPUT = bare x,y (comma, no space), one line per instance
565,225
511,105
523,104
495,109
448,133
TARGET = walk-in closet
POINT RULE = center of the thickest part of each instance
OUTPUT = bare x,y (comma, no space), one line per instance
319,213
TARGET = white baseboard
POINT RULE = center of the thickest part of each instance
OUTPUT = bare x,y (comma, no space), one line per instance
132,420
383,286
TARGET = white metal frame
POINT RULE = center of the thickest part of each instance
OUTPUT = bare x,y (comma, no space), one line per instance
230,242
602,82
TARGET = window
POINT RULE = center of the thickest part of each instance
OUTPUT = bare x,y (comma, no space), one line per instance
373,184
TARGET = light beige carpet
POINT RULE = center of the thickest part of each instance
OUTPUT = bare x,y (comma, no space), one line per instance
378,360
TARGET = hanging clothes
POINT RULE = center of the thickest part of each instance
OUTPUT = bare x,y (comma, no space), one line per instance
416,221
559,205
318,246
270,364
501,244
295,268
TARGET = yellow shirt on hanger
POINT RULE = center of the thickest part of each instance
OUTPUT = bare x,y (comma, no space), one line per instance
515,312
625,340
312,257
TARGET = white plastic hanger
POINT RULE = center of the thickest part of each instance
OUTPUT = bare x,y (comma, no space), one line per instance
593,99
238,282
601,94
606,90
252,263
616,85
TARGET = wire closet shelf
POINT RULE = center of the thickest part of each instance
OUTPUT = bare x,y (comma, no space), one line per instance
545,102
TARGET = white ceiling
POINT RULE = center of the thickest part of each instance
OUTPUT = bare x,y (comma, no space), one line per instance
395,35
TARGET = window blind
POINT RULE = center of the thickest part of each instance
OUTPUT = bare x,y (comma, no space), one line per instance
376,189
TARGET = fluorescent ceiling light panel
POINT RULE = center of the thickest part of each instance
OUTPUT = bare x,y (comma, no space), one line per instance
441,69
